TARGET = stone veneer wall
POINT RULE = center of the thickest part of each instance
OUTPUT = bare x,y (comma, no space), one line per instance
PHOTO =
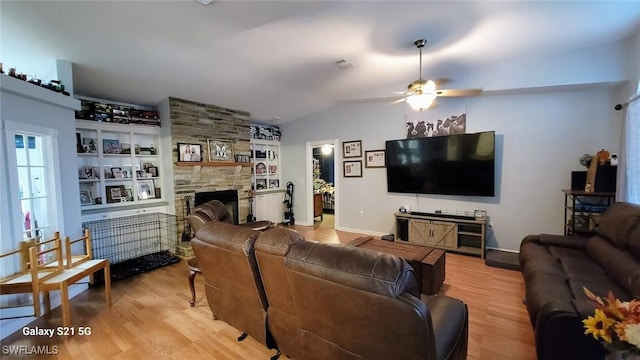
194,123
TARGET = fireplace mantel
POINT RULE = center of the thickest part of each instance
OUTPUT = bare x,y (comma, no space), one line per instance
212,163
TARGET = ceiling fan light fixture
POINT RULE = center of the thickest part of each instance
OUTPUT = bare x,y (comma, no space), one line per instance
421,101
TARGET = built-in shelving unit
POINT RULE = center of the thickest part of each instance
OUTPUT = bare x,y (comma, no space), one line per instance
118,165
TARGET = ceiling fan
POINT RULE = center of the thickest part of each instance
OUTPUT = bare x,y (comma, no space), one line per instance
421,93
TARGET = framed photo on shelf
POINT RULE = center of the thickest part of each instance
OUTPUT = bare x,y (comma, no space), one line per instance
116,173
374,159
115,193
85,197
153,170
189,152
352,168
128,194
352,149
110,146
88,173
261,184
146,189
89,145
480,213
220,150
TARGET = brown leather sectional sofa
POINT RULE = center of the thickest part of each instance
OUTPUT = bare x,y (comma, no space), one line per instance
314,300
555,269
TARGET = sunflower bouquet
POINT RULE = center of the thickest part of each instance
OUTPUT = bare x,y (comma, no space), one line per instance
616,323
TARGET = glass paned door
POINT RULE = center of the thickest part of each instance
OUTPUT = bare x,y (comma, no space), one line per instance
32,185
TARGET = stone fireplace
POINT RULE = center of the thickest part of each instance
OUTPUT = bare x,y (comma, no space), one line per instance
195,123
228,197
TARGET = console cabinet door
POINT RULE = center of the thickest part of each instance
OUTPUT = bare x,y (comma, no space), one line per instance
433,233
444,235
420,232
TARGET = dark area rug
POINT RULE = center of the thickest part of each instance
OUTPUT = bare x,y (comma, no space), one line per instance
502,259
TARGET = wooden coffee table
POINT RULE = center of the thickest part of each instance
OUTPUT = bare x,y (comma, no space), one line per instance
428,263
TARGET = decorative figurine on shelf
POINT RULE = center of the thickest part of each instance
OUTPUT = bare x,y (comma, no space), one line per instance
603,157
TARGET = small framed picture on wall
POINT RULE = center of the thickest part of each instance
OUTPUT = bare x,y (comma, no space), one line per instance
189,152
352,149
374,159
352,168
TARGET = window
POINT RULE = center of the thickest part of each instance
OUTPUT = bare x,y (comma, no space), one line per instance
32,186
632,150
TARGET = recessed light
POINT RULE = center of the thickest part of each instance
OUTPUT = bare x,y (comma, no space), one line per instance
345,63
205,2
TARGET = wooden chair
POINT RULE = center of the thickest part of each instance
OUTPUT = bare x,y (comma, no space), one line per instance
71,259
33,271
77,267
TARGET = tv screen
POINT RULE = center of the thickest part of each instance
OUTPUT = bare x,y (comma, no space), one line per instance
460,164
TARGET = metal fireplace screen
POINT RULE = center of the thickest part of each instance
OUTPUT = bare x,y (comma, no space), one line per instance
134,244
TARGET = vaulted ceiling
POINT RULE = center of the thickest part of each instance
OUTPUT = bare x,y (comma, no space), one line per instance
276,59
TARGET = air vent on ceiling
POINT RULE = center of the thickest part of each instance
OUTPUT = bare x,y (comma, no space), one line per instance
345,63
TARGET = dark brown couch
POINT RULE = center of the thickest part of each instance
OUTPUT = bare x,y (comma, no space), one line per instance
325,301
555,269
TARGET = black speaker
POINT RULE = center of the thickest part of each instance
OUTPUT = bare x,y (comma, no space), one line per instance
606,178
402,229
578,180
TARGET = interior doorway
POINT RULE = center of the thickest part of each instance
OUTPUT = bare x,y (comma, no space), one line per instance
322,193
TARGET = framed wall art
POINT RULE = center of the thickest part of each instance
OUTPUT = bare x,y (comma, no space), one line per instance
189,152
352,149
374,159
146,189
220,150
115,193
352,168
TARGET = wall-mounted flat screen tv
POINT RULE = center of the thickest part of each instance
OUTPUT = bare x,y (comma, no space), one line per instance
462,164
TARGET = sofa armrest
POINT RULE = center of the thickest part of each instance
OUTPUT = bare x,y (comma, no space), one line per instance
450,321
559,334
572,242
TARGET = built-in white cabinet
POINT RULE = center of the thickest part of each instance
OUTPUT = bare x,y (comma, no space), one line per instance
266,171
118,166
270,206
91,216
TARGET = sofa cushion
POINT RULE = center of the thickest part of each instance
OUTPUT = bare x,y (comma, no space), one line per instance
356,267
620,266
634,243
618,222
277,241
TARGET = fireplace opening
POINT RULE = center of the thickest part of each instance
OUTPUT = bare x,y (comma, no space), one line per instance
228,197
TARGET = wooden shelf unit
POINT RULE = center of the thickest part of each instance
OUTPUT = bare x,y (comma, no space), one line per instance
460,235
582,210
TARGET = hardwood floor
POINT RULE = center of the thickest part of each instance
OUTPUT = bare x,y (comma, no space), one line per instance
151,317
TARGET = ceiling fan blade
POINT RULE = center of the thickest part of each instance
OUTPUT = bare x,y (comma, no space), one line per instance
440,82
459,93
400,100
394,99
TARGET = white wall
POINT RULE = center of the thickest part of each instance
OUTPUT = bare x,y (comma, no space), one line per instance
539,138
34,109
